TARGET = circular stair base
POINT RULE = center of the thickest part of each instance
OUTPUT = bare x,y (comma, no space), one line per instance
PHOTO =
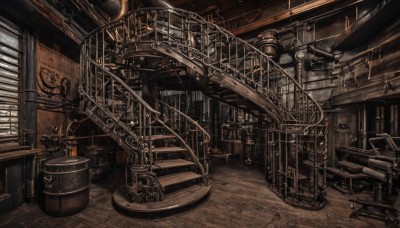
174,200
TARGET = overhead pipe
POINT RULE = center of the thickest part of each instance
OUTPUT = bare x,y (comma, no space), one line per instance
116,8
320,52
124,8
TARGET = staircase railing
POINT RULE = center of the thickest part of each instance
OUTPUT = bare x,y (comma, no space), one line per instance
155,40
117,109
195,135
211,51
120,111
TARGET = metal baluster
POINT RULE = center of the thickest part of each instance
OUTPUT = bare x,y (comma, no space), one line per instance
95,69
150,143
102,65
268,76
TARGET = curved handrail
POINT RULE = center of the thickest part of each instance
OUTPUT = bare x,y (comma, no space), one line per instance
146,105
178,14
207,139
116,78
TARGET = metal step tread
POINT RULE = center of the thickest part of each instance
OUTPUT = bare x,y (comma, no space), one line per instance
168,149
177,178
165,164
159,137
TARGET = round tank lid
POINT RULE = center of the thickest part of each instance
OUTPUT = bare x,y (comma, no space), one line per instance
64,161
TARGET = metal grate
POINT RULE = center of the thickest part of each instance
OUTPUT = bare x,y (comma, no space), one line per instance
10,70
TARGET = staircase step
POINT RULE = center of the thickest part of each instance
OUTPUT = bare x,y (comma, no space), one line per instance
177,178
165,164
159,137
168,149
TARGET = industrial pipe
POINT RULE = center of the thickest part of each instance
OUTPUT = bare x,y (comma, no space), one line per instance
320,52
380,164
30,90
124,7
30,179
374,174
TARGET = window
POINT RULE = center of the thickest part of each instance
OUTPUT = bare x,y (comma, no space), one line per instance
10,72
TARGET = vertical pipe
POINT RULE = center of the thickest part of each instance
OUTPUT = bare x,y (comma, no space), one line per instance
379,120
364,143
394,120
30,90
30,178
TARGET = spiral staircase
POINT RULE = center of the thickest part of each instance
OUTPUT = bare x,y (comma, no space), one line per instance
155,49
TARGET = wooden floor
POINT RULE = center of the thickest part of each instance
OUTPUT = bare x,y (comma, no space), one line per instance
238,198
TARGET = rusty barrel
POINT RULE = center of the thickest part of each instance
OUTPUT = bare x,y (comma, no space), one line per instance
66,185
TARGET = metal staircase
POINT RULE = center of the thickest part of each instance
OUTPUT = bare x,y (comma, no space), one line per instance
175,49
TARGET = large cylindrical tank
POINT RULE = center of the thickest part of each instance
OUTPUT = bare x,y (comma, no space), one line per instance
267,42
66,185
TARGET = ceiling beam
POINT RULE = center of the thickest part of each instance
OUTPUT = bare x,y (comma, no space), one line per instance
50,14
295,11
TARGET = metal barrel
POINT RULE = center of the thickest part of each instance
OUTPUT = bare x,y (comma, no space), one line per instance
66,185
100,164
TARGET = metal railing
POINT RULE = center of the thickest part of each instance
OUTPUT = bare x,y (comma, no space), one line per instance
209,51
120,111
147,39
194,134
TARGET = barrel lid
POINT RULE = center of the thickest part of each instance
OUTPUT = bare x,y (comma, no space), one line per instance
94,147
65,161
